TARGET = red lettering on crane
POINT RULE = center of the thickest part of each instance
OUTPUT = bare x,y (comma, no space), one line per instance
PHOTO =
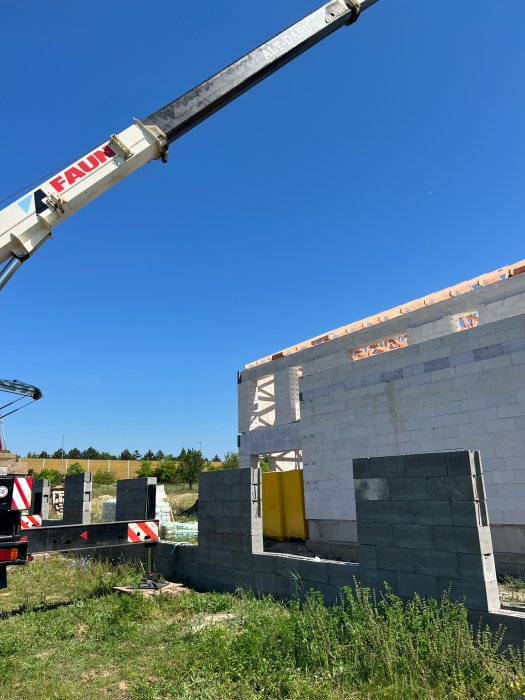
80,169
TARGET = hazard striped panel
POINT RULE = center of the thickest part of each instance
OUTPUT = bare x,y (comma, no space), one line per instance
143,532
22,488
27,521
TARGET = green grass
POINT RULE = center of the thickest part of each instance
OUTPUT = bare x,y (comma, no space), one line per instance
65,636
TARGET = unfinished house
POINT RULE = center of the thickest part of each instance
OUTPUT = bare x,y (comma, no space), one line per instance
446,372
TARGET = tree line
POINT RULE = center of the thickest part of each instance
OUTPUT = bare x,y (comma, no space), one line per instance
92,453
185,468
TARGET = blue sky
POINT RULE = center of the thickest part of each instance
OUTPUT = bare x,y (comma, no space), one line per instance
386,163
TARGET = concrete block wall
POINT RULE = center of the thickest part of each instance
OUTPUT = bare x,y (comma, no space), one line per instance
434,503
230,553
78,489
422,526
461,391
40,498
136,498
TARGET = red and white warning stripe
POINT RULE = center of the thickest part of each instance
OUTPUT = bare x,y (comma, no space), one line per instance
27,521
22,492
143,532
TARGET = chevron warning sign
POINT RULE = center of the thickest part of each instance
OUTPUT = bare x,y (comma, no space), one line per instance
143,532
22,493
27,521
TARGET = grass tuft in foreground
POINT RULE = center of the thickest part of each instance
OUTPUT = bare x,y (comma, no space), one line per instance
218,646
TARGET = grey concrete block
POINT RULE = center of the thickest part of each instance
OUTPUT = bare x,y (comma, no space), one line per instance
313,571
367,577
287,587
386,579
374,533
367,556
384,467
221,557
232,508
361,468
242,560
431,513
412,536
186,571
206,523
409,584
443,538
343,574
466,513
391,511
232,542
468,540
365,511
460,463
224,575
213,540
244,579
441,564
451,588
240,493
450,488
408,489
265,582
264,563
202,555
475,594
488,352
182,552
477,567
285,565
427,464
210,509
224,525
395,559
224,493
371,489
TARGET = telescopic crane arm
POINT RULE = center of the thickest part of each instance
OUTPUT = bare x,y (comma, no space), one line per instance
27,223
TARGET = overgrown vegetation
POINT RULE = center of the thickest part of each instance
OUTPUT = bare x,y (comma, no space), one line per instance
238,647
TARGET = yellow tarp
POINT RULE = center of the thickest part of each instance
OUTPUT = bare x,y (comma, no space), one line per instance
283,505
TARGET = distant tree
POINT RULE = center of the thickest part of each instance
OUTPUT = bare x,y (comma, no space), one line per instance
145,469
136,454
58,454
126,454
106,455
103,478
54,476
166,471
216,458
231,460
190,465
149,455
74,453
159,455
264,464
43,455
90,453
31,455
76,468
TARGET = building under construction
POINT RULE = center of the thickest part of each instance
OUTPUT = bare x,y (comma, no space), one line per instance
445,372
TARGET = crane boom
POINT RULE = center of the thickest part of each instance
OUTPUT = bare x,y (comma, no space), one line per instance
27,223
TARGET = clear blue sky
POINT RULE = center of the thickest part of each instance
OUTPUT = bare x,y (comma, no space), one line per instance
386,163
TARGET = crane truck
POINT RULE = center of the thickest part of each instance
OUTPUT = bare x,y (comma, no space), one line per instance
27,223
